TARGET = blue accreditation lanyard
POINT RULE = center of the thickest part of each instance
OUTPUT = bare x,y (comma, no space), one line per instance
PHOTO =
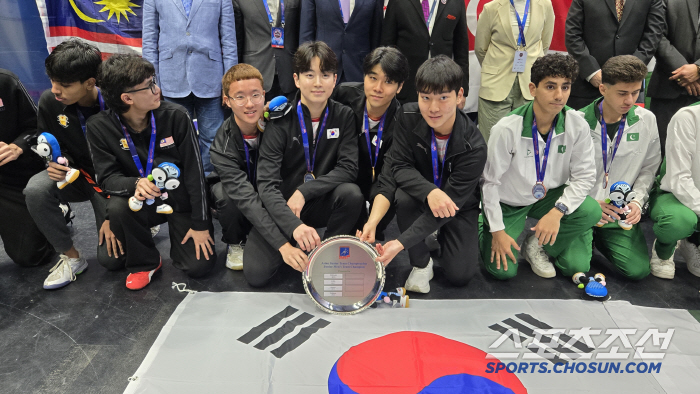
281,12
604,140
304,136
248,163
341,12
539,191
81,117
521,25
437,178
132,148
430,16
380,131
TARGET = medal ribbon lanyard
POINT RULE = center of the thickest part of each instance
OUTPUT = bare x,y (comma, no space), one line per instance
437,180
81,117
430,15
304,136
281,12
521,24
604,141
132,148
380,131
248,163
536,147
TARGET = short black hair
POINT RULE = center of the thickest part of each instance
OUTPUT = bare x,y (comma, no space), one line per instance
393,63
554,65
438,75
624,68
73,60
120,73
309,50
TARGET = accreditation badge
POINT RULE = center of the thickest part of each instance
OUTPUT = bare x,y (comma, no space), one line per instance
277,37
519,62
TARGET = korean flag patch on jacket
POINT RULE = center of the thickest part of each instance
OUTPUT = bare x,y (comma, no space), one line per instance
333,133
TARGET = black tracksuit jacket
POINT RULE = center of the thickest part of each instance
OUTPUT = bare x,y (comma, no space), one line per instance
117,173
228,157
282,163
412,167
17,126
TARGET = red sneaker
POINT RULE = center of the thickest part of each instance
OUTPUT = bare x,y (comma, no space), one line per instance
139,280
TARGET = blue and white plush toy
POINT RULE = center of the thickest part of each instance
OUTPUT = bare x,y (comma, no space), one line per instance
48,148
594,286
621,195
165,177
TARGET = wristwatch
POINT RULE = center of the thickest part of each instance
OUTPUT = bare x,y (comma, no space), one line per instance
562,208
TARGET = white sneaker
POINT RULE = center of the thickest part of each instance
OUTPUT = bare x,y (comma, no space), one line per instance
664,269
155,230
691,255
234,257
64,272
419,279
538,258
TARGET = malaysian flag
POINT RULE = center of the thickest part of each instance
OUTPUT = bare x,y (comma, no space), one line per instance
113,26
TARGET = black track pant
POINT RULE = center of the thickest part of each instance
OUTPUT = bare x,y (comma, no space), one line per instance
133,229
23,241
458,239
234,225
337,211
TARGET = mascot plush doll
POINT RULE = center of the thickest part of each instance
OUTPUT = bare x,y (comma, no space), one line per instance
165,177
47,147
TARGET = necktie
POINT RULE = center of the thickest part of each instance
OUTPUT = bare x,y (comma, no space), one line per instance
426,10
618,7
346,10
188,6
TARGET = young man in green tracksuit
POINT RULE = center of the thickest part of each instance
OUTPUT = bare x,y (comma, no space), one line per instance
627,149
540,165
675,205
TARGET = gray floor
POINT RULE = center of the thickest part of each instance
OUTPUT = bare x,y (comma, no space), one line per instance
92,335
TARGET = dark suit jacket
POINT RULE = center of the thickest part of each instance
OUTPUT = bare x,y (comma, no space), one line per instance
404,26
593,35
321,20
254,32
680,45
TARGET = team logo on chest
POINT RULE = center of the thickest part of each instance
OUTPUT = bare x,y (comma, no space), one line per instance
63,121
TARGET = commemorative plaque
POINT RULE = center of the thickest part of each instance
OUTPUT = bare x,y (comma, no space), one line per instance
342,276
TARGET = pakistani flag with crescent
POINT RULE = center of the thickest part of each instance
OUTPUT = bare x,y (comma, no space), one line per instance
114,26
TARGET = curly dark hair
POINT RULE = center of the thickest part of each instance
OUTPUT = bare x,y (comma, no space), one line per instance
73,60
624,68
554,65
120,73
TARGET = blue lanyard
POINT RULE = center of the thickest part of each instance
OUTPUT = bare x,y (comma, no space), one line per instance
304,135
341,12
248,163
536,145
380,131
604,139
281,12
521,25
132,148
432,9
81,117
437,180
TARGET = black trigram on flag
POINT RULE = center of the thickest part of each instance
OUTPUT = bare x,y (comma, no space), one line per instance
274,337
555,353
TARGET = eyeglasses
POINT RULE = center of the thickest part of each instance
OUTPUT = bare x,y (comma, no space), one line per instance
242,100
151,86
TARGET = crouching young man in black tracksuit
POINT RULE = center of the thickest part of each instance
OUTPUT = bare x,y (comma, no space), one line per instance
137,134
375,106
308,161
234,154
437,160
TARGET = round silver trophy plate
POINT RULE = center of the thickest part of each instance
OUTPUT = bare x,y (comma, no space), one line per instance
343,277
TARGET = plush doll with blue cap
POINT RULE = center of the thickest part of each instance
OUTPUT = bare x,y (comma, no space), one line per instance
594,286
621,195
165,177
48,148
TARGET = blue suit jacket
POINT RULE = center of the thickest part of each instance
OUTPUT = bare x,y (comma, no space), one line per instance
190,54
321,21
